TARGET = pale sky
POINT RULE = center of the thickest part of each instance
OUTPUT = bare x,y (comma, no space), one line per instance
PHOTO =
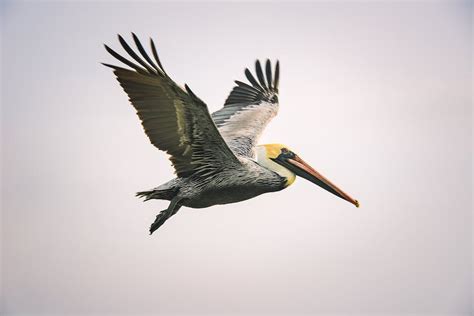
376,96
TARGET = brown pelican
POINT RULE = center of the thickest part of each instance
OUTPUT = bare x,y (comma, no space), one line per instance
216,157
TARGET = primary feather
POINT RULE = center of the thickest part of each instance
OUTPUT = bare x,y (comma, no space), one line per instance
248,110
175,120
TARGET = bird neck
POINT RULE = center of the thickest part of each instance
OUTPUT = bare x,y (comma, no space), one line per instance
265,161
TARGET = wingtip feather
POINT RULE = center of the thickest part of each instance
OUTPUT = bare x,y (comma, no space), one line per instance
259,71
268,70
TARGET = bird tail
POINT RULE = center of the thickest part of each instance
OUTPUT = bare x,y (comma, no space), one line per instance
157,194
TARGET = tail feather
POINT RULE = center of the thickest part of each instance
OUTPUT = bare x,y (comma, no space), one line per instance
166,194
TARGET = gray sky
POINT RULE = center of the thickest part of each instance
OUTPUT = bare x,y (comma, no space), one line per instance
374,95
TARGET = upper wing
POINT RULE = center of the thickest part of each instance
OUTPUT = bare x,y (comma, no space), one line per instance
248,109
175,120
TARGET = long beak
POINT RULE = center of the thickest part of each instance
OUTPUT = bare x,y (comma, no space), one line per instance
302,169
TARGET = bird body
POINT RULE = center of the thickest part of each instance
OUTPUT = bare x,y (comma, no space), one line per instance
227,186
216,157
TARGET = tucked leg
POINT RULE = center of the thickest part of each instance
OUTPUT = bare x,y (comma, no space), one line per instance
165,214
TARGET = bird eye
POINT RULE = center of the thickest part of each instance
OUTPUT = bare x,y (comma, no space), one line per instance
285,152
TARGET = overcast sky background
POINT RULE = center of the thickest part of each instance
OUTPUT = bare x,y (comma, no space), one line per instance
376,96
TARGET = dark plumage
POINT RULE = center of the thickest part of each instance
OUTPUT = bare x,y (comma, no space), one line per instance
216,157
178,122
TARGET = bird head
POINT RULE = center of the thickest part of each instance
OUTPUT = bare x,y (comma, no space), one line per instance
280,159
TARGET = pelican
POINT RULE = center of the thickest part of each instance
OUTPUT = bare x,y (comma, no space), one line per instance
216,157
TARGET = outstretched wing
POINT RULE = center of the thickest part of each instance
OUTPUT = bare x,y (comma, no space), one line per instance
248,109
175,120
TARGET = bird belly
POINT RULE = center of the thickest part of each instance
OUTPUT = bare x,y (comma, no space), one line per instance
224,195
230,186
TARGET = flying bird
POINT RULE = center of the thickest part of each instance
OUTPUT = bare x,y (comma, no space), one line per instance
216,156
